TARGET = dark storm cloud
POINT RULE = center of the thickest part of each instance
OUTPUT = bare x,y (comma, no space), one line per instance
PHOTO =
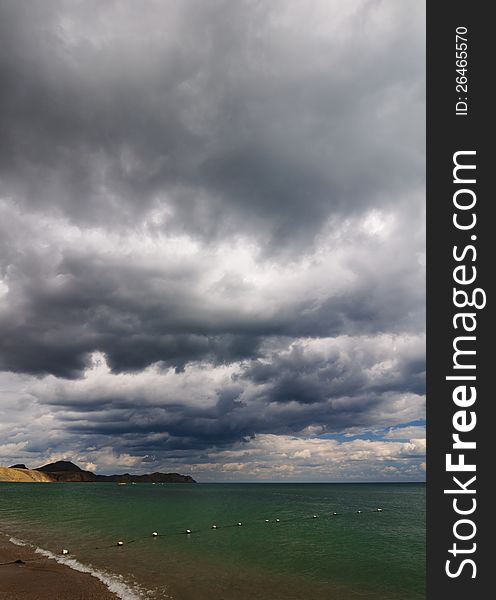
337,384
203,429
64,303
190,186
233,118
311,377
138,316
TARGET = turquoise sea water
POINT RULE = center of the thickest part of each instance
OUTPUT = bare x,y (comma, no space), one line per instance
349,556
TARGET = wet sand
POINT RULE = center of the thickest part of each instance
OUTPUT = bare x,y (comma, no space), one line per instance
41,578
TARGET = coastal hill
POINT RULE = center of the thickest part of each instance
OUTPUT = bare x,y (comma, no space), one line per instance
23,475
65,471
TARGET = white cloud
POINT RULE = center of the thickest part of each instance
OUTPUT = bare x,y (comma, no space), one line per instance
266,457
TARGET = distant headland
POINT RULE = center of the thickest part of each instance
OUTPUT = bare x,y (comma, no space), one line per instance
65,471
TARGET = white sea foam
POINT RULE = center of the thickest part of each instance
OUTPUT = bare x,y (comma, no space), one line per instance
17,542
115,583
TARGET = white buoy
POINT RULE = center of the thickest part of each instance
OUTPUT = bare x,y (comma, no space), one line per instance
379,510
278,520
334,514
314,516
188,531
359,511
214,526
154,534
120,543
239,524
267,521
64,551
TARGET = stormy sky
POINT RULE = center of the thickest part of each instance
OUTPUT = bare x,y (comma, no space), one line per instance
212,237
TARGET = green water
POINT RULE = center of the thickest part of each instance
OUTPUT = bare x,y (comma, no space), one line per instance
350,556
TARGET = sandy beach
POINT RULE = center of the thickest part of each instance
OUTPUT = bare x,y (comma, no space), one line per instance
41,578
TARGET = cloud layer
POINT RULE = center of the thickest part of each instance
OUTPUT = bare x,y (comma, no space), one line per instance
212,236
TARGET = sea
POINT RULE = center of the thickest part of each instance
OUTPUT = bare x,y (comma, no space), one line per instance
271,541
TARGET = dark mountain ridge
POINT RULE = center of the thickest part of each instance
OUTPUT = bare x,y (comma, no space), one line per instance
60,466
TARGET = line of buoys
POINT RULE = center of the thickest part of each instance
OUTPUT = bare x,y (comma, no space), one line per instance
155,534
